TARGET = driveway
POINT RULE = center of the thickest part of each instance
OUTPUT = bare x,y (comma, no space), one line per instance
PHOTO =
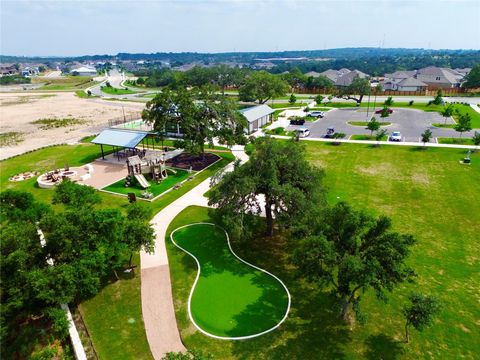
410,122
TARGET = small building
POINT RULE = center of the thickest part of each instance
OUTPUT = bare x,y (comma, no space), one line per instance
411,84
257,116
84,71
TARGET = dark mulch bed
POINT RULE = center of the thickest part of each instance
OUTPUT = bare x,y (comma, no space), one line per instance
197,162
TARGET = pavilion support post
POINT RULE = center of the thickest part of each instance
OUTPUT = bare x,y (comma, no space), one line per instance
101,148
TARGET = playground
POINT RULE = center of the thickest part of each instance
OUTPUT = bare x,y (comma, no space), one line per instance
230,298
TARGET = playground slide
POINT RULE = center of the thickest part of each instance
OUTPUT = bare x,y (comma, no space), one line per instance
142,181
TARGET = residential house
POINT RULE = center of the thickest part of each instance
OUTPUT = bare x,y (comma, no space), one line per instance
84,71
411,84
403,81
347,78
8,69
30,71
439,78
331,74
257,116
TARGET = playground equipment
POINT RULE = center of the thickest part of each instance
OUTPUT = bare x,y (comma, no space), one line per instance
152,165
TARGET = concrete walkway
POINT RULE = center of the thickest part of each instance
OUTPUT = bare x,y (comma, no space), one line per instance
156,289
475,107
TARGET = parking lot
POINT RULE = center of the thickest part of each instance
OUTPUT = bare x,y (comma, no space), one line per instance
410,122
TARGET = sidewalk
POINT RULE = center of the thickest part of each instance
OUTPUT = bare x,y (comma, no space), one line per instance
156,287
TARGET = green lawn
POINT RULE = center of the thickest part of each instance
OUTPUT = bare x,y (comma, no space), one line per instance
456,141
365,123
115,91
231,298
426,193
446,126
367,137
155,189
286,105
114,319
279,131
150,96
83,95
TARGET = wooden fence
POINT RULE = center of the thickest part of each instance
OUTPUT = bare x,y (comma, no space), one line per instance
428,92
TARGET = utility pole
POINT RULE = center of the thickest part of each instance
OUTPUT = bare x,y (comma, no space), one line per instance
368,105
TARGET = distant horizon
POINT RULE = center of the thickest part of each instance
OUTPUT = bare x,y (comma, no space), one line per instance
234,52
41,28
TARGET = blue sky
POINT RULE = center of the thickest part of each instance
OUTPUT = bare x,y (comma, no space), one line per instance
80,27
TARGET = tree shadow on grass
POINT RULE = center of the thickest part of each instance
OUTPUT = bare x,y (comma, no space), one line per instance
266,312
312,330
383,347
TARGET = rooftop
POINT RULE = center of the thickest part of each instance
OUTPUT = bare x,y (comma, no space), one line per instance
256,112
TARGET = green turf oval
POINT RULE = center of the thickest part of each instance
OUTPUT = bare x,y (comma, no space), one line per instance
230,298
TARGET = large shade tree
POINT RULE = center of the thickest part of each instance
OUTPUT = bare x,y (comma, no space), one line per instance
351,251
83,246
356,90
277,180
472,79
200,113
261,86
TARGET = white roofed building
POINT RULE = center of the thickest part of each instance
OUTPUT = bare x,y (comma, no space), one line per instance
257,116
84,71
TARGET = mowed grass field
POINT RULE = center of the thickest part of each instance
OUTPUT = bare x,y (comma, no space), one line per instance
231,298
427,193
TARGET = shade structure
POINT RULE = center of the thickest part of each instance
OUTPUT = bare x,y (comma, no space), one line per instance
120,138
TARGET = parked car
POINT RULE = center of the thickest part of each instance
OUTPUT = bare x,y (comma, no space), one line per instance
297,121
303,132
317,114
379,111
396,136
330,132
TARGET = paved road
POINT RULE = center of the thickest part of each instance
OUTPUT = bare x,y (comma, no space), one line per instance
410,122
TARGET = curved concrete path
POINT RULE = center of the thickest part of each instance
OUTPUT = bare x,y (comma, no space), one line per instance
156,289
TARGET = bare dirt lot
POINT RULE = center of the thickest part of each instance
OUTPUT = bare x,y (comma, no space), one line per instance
85,117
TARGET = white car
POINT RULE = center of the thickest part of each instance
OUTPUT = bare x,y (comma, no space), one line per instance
317,114
396,136
303,132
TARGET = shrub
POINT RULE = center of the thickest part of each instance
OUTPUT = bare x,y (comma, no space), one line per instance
410,103
438,99
279,130
319,99
59,321
293,99
389,101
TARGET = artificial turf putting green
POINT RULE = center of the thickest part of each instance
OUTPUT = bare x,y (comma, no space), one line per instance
230,298
155,189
